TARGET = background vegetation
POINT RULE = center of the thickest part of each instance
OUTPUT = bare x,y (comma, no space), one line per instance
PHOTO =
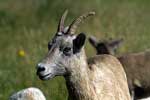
26,26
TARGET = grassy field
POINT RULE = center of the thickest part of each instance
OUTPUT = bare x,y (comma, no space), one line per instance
27,26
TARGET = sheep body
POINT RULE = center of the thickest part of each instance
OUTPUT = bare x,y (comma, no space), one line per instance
137,67
111,77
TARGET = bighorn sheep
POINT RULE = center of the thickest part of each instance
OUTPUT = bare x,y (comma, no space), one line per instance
98,78
28,94
137,68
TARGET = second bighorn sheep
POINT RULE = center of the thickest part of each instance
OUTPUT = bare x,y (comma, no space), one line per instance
137,68
105,46
98,78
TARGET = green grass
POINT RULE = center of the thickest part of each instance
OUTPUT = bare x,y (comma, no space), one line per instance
29,24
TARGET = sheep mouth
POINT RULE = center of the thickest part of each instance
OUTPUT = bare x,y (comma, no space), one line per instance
46,77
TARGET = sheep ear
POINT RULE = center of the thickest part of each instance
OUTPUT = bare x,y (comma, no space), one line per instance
93,41
78,42
114,44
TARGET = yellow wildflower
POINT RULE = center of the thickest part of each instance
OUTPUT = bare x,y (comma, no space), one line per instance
21,53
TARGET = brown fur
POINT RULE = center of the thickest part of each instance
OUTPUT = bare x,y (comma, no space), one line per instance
136,66
103,79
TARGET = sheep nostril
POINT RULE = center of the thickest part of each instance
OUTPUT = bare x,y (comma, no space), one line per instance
40,69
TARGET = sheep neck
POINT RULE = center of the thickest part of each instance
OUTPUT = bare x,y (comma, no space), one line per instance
77,82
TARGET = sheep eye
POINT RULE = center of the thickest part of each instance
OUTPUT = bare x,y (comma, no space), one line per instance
49,46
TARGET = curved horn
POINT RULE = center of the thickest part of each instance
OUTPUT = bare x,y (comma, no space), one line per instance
61,22
75,23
